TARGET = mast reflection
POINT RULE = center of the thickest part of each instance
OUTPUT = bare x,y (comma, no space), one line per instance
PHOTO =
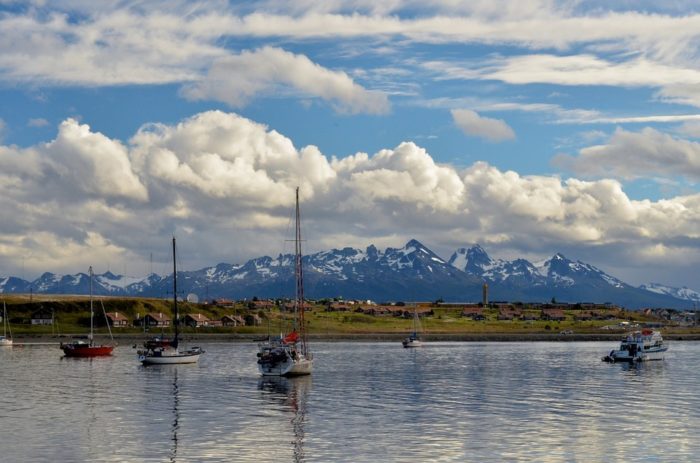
176,418
292,395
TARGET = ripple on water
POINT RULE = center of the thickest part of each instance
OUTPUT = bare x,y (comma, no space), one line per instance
366,402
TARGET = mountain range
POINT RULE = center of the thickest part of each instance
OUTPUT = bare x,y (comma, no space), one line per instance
410,273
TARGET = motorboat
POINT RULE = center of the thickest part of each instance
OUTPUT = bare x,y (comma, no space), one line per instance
639,346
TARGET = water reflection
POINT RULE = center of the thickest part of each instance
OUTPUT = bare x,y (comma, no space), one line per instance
291,394
176,417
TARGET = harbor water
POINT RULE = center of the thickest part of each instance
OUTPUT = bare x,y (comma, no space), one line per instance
365,402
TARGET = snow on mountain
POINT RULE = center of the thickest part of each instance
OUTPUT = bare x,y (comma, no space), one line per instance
680,293
412,272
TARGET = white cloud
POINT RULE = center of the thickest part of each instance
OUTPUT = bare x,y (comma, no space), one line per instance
690,129
630,155
237,79
475,125
224,185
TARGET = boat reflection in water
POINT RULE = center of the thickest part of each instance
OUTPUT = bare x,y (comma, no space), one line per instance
176,417
292,395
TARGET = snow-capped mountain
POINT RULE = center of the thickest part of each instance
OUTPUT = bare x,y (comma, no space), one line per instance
680,293
412,272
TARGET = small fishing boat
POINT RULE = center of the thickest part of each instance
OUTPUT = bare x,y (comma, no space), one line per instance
289,355
414,339
4,340
162,352
639,346
81,348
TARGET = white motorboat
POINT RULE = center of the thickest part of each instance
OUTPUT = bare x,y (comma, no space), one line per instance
639,346
289,355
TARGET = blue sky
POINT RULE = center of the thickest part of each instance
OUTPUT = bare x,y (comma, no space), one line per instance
530,127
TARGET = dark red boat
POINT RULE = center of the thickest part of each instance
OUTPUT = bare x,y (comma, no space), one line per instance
88,348
85,349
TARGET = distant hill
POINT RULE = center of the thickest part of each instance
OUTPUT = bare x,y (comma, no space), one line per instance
410,273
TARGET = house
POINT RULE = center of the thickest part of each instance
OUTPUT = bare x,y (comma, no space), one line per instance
222,302
583,316
159,319
261,305
509,314
252,319
338,307
42,317
553,314
374,310
196,320
117,320
232,320
475,313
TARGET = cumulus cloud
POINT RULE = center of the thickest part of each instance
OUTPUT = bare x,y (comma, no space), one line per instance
238,78
225,185
475,125
631,155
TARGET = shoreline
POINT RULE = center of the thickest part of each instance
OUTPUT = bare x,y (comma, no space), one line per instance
355,337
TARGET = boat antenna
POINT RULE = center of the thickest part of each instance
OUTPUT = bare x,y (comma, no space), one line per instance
177,321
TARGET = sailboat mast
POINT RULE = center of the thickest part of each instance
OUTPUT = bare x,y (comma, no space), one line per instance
177,318
298,272
91,311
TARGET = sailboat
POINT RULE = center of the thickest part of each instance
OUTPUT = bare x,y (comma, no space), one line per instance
414,340
87,348
289,355
168,354
4,340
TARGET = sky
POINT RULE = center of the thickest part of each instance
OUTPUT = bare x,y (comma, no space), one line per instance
528,127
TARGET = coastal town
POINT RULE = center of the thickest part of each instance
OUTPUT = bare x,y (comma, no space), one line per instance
68,315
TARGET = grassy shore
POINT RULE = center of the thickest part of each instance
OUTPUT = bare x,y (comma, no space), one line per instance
444,324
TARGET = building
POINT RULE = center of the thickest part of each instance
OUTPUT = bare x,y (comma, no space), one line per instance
117,320
475,313
42,317
159,320
232,320
196,320
553,314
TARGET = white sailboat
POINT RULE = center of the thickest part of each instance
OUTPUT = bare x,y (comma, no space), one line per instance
4,340
414,339
169,354
289,355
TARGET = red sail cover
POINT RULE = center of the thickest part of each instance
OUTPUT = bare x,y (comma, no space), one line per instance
291,338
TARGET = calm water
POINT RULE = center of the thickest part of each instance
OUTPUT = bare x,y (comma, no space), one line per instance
366,402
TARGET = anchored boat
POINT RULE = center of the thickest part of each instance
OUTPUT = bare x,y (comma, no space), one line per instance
639,346
289,355
414,339
88,348
167,353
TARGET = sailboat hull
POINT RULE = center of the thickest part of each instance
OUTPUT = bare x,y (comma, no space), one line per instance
289,367
5,341
170,357
71,350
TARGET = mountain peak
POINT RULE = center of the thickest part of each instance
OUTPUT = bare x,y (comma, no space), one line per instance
414,243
